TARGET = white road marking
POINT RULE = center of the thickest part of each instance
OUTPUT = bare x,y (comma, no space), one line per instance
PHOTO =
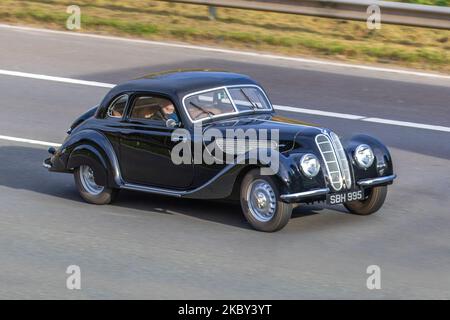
408,124
228,51
56,79
277,107
30,141
319,112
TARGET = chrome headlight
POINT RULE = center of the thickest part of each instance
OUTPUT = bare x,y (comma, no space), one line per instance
310,165
364,156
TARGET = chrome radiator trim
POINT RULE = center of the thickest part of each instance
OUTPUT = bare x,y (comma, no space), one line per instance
331,162
342,160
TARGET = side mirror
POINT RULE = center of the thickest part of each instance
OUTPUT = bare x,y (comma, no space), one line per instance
170,123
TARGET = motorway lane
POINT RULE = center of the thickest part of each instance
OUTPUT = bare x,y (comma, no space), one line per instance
147,246
346,90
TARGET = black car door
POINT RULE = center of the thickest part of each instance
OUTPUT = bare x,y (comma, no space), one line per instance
146,145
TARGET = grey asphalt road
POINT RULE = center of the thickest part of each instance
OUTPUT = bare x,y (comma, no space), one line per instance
146,246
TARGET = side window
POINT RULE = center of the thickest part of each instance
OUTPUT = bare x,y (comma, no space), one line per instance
210,103
153,108
117,107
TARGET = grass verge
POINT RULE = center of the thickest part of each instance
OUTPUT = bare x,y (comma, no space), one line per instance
292,35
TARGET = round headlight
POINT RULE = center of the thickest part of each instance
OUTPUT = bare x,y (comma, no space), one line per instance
364,156
310,165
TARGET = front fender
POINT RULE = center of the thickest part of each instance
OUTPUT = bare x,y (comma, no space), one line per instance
287,170
227,181
382,165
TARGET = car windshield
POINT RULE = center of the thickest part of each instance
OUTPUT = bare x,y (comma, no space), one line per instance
248,98
212,103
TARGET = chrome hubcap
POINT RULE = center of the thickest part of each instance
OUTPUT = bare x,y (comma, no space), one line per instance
261,200
88,182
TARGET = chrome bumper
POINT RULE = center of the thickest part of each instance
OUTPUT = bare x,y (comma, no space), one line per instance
294,197
306,194
47,164
375,181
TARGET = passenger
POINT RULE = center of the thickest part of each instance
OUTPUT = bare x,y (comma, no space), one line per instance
117,113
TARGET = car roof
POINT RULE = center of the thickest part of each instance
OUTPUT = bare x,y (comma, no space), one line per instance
175,84
182,82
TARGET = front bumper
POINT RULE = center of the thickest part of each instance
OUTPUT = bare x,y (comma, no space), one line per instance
54,163
376,181
296,197
316,194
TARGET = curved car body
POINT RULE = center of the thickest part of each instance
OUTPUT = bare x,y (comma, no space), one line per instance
127,142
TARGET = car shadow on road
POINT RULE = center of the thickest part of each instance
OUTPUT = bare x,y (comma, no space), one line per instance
22,169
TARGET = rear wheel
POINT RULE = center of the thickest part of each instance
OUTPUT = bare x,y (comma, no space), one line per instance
89,190
373,202
260,202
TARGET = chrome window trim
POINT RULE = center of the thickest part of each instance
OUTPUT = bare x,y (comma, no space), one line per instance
231,100
114,101
225,88
205,91
252,86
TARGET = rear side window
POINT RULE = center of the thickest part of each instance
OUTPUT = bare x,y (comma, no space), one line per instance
117,107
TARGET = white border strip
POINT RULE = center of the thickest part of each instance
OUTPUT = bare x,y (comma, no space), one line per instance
228,51
277,107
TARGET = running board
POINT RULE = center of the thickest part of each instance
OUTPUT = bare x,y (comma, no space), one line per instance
168,192
201,192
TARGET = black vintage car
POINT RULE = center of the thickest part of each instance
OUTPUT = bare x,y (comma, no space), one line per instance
128,142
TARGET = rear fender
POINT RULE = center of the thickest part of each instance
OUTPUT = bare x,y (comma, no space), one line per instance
91,144
89,155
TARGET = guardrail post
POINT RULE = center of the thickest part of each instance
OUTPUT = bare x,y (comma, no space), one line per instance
212,13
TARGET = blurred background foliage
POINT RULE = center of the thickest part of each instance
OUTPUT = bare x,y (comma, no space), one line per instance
285,34
427,2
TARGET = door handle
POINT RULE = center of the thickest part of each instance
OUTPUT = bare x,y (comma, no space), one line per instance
178,139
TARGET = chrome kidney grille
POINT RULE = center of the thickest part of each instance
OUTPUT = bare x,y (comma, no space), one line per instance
335,160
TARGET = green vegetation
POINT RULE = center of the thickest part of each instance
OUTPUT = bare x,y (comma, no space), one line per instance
242,29
427,2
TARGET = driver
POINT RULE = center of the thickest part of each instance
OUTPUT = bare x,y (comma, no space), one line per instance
165,112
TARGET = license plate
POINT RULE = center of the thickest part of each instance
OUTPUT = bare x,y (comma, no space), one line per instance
347,196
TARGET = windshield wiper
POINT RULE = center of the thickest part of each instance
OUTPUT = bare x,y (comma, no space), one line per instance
209,113
254,106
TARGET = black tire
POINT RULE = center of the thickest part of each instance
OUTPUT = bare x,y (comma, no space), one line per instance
106,196
281,211
373,202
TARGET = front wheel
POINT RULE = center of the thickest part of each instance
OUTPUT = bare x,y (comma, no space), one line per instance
89,190
260,202
373,202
